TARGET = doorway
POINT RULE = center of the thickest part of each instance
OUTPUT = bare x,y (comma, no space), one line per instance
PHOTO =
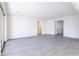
39,28
59,27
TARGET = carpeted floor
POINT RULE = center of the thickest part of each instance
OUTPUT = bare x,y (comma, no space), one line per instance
45,45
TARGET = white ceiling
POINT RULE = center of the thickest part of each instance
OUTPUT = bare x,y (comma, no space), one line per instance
76,6
41,10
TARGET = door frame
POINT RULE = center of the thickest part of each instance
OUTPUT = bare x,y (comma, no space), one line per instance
62,26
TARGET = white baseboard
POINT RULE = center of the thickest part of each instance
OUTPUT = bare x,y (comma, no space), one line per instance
71,37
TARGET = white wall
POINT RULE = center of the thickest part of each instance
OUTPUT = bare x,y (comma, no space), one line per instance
71,26
21,26
49,27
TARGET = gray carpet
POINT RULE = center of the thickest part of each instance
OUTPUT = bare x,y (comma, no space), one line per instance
45,45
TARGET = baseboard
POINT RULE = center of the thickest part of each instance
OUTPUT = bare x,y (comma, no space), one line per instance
71,37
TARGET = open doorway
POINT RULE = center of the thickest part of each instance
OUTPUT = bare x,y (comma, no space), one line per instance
39,28
59,27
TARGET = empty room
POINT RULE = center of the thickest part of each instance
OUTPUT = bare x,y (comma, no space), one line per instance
39,28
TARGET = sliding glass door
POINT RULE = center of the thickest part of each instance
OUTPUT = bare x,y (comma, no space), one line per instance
1,30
